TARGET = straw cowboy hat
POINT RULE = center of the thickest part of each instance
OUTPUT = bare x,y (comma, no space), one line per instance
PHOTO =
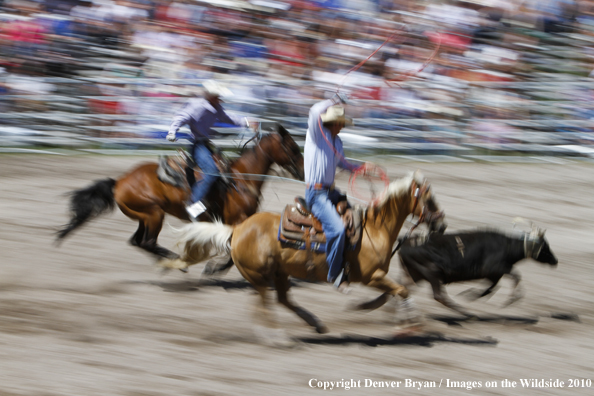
336,114
213,88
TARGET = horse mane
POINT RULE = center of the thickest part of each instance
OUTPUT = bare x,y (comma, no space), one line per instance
400,186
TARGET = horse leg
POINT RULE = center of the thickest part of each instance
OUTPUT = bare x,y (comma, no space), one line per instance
137,237
149,227
373,304
215,267
517,292
263,313
266,328
152,227
282,288
381,281
269,333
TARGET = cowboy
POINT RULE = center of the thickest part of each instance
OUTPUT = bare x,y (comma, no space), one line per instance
200,114
323,152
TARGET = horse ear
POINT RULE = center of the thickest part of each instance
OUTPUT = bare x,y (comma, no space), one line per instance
418,177
282,131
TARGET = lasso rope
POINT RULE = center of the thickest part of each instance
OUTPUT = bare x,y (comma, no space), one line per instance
258,177
406,75
354,68
364,170
367,173
411,73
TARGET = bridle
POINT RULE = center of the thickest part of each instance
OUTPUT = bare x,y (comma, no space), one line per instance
426,216
291,166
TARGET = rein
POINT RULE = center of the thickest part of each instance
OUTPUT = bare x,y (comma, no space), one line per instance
418,192
409,232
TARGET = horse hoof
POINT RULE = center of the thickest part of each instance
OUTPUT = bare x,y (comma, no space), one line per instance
208,271
322,329
275,338
512,300
284,343
472,317
164,271
408,330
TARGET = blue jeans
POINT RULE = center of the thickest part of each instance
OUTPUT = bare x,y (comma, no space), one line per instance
203,158
322,205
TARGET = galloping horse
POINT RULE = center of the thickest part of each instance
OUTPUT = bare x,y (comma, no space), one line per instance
142,196
262,260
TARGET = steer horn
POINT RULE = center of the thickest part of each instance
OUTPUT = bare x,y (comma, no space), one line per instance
535,232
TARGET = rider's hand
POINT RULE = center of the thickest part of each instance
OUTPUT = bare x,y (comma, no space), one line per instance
368,167
171,137
252,124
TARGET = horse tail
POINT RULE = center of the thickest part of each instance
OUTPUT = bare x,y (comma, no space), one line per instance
88,203
201,241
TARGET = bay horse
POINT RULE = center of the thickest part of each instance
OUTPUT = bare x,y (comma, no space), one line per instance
262,260
142,196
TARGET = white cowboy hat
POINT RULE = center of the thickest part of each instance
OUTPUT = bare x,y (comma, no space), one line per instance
213,88
336,114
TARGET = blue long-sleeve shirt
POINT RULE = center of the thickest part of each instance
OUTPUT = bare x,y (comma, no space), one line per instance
200,116
320,159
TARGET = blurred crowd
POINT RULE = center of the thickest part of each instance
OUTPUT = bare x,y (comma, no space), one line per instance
475,61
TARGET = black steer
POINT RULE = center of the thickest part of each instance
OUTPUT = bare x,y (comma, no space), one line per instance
471,255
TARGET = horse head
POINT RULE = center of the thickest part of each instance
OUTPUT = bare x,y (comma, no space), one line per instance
412,195
286,153
425,205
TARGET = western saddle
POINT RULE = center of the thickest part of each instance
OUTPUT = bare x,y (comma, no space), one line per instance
181,170
299,229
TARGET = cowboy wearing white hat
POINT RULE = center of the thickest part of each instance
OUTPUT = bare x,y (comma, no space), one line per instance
200,114
323,152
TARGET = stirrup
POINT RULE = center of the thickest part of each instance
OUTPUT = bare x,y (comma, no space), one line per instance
341,284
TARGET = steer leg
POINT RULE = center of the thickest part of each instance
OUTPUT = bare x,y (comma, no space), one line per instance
475,294
517,292
442,297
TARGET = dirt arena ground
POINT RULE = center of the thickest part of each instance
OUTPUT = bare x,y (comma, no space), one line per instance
94,317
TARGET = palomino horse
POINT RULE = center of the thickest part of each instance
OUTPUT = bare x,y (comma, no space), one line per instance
262,260
142,196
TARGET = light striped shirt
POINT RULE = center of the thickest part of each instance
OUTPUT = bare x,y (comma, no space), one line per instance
200,116
320,159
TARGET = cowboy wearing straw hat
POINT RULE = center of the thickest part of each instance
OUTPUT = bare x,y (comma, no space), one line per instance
200,114
323,152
